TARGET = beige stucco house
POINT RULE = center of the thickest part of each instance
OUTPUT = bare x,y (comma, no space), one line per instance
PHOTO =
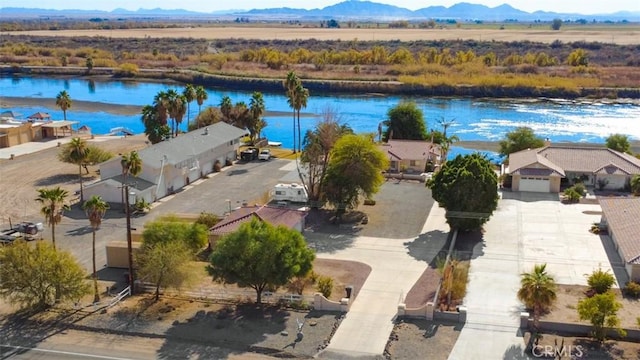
543,169
410,156
170,165
621,216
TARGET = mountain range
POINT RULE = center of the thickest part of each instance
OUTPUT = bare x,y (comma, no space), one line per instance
349,9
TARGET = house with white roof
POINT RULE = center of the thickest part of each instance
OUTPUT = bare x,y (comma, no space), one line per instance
170,165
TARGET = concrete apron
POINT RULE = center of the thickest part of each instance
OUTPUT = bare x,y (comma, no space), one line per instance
365,330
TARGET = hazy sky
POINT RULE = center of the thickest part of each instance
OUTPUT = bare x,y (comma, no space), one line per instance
572,6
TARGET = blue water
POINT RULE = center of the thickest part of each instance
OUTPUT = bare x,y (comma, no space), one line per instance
473,119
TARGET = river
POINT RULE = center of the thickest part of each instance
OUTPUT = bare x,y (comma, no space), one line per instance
473,119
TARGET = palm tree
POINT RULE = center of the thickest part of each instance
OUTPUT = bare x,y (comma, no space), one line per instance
161,103
445,146
537,291
95,208
290,84
63,101
301,95
225,108
256,108
189,94
53,205
78,154
201,96
177,109
131,165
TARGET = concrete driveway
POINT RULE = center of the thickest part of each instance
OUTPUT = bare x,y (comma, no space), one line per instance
558,234
526,229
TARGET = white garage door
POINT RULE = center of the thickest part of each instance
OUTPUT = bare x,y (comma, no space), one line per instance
534,184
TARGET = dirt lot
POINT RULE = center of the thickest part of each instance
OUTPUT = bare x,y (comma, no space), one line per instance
421,339
566,304
632,36
29,172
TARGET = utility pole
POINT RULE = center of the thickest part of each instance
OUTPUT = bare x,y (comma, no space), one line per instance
129,243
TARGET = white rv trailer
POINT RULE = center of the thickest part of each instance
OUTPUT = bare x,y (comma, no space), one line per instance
290,192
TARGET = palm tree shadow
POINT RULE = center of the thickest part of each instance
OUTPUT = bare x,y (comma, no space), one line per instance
58,179
516,352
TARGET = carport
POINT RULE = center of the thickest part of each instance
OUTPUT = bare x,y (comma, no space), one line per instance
55,128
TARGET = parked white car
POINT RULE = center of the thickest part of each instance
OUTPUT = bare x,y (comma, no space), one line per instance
265,154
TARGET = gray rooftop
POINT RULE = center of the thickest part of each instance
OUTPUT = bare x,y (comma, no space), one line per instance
185,146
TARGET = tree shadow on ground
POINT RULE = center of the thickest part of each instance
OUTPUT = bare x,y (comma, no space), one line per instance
516,352
326,235
236,172
59,179
469,245
115,211
237,329
25,329
79,231
428,246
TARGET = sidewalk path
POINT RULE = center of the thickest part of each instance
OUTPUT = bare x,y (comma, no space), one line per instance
366,328
493,310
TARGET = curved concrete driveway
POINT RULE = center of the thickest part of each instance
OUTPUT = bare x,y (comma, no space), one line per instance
396,265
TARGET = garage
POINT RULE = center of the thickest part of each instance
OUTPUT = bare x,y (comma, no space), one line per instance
534,184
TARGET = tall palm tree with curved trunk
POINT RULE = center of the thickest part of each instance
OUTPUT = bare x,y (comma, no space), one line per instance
79,154
189,94
537,291
95,208
53,206
290,84
201,96
63,101
301,95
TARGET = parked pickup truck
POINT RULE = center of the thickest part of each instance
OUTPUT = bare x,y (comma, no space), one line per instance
26,230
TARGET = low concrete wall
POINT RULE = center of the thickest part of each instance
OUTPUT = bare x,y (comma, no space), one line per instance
322,303
427,312
573,328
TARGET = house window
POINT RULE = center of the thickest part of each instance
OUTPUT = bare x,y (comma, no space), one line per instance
394,165
413,163
279,192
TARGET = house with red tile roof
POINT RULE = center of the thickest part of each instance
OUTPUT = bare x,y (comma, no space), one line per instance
544,169
622,218
410,156
292,219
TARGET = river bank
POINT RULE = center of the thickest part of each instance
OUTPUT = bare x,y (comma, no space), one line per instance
322,86
8,102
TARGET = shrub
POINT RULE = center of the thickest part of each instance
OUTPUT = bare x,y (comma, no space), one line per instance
632,289
601,281
572,195
580,188
127,69
208,219
298,283
325,286
217,166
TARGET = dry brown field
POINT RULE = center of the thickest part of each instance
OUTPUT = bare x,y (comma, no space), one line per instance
620,36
